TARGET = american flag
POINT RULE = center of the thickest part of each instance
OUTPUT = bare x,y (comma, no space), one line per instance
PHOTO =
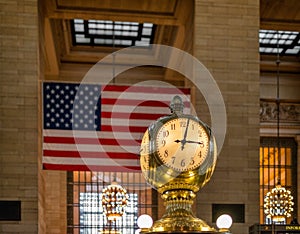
99,128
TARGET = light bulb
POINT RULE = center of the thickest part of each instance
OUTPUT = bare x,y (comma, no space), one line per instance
144,221
224,222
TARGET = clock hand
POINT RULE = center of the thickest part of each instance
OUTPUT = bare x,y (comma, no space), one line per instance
197,142
183,141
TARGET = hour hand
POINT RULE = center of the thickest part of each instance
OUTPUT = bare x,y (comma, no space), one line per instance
183,142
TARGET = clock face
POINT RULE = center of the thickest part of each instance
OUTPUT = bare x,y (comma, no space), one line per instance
144,152
182,144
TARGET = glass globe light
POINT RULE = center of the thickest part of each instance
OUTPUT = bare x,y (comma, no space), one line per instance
224,222
144,221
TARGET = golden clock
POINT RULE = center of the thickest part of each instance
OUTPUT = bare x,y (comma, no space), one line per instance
177,157
144,154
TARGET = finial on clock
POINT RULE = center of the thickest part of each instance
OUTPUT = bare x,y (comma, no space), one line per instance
176,105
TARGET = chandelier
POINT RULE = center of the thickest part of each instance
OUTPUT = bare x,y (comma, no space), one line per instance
278,204
114,201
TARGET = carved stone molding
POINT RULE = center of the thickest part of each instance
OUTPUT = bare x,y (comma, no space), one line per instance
288,112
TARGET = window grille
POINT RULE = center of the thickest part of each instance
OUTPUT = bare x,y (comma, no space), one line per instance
85,212
288,42
112,33
273,167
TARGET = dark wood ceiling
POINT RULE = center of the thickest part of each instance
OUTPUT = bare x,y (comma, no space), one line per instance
175,25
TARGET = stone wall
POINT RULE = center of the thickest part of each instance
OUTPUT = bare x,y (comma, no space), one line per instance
18,112
226,42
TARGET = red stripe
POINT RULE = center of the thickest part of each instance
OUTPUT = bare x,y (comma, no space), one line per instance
83,167
109,128
91,141
129,102
146,89
76,154
120,115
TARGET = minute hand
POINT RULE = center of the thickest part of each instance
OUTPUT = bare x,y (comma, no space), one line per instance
196,142
183,141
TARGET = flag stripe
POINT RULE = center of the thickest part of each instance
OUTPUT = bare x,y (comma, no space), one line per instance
88,154
91,148
89,134
92,141
129,115
89,127
144,89
83,167
134,102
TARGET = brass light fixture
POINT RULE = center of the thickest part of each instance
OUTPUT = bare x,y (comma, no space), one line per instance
278,203
114,201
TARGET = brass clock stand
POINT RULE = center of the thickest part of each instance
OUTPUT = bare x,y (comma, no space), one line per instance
178,157
179,215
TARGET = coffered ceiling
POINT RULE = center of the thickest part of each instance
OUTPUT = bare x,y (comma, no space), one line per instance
174,27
